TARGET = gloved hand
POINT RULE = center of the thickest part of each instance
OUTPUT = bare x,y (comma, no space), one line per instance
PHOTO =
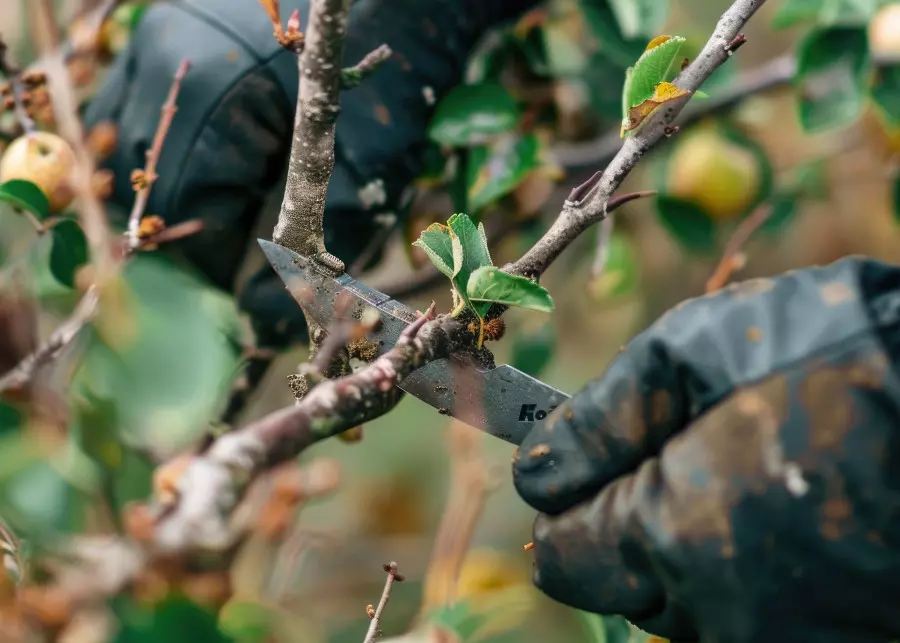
229,142
735,474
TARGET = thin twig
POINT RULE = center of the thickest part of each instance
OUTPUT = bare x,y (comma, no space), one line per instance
144,181
353,76
375,625
591,207
730,261
25,370
91,212
469,489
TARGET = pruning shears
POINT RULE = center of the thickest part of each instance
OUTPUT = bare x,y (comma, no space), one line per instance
502,401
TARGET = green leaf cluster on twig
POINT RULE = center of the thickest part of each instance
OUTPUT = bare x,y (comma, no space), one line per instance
459,250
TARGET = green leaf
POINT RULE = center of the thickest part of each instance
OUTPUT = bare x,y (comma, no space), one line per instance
831,73
175,620
472,114
640,18
604,82
566,55
607,36
487,64
470,252
490,284
823,13
69,251
649,71
687,223
25,195
495,169
171,375
620,275
435,241
885,92
248,622
794,12
42,498
594,626
11,419
533,349
810,180
492,614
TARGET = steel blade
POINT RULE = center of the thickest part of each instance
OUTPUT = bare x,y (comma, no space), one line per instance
502,401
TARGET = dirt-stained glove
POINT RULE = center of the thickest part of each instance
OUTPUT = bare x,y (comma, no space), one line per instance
230,140
735,474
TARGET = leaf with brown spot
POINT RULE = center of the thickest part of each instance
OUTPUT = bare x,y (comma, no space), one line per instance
663,93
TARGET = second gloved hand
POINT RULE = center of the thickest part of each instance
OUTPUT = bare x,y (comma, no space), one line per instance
734,477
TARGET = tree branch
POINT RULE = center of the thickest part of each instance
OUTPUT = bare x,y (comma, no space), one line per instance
24,372
91,211
591,206
214,481
311,162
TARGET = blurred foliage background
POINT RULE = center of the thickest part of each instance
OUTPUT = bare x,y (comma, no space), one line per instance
815,141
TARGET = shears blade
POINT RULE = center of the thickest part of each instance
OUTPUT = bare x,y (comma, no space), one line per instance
502,401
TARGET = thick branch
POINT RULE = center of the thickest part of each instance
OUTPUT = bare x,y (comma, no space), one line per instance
214,481
311,162
592,206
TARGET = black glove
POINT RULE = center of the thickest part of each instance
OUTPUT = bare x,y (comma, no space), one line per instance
230,140
735,475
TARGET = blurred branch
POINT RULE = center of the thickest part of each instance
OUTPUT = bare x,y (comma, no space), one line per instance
143,180
376,613
590,202
733,258
91,212
23,373
470,486
213,481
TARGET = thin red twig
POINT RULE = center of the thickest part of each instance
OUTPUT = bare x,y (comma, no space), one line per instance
146,180
730,262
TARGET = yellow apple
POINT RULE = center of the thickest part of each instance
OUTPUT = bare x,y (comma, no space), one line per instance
884,31
713,173
46,160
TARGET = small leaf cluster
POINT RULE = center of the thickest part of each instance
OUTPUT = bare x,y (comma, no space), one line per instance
459,250
489,140
646,87
836,73
69,248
